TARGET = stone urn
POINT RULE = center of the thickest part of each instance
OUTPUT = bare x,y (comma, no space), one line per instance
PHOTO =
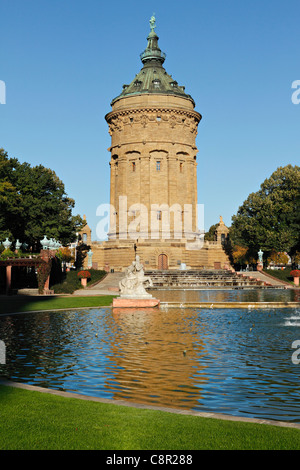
84,276
296,274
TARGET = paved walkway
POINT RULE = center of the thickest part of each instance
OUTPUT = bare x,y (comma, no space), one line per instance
263,277
108,286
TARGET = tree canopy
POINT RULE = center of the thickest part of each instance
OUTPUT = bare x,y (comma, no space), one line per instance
270,218
33,203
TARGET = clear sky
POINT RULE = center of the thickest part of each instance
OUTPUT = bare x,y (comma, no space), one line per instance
63,61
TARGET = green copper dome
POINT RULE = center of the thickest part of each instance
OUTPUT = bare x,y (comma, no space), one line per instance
153,78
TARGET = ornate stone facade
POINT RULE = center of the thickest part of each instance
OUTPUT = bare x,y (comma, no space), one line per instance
153,175
153,158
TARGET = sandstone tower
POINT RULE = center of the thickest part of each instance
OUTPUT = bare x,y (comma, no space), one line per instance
153,126
153,174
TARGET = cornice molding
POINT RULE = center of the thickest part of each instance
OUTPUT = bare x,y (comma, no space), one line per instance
152,110
155,115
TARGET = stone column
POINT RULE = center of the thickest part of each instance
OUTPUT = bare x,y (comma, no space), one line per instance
173,188
8,279
121,194
47,284
145,227
112,221
191,190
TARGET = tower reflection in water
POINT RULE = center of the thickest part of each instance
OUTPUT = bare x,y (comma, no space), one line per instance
157,356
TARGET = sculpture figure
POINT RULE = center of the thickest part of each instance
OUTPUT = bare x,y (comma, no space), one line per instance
152,22
134,283
90,256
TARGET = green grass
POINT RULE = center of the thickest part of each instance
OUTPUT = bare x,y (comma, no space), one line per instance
32,420
26,303
282,275
71,282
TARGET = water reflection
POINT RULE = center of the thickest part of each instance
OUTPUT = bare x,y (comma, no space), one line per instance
159,353
236,362
227,295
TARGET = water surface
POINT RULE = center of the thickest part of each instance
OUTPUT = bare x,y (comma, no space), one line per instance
225,361
227,295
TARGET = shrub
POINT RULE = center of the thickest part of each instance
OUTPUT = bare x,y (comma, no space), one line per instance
71,281
84,275
295,273
7,253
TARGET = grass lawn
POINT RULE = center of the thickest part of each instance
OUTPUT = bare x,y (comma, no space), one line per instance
26,303
32,420
282,275
71,282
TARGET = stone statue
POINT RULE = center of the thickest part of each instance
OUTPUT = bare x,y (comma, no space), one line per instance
90,256
134,283
260,256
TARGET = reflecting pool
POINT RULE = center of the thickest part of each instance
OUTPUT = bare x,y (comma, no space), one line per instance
227,295
235,361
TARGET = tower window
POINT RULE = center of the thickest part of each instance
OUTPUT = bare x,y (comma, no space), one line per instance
158,215
133,166
158,166
181,167
156,83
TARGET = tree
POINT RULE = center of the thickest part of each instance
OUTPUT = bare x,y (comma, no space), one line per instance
270,218
33,203
239,255
210,235
278,258
65,254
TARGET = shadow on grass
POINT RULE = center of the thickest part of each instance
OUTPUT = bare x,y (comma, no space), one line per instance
18,304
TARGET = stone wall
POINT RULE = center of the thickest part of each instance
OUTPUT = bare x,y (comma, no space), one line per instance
119,254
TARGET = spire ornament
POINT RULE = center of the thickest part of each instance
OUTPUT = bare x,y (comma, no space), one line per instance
152,23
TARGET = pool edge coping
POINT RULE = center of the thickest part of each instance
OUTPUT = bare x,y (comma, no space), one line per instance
166,304
200,414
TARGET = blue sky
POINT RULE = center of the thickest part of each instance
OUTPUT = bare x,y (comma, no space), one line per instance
63,61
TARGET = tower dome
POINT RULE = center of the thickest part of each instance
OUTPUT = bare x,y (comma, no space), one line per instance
153,78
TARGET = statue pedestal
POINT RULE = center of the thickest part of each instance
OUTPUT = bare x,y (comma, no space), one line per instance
259,266
123,302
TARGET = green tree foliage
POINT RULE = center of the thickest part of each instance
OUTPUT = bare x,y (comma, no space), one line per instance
33,203
210,235
270,218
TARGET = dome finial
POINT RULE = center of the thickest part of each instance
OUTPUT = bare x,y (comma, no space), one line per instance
152,51
152,22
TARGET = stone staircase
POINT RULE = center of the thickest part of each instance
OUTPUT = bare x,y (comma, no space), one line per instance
204,279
